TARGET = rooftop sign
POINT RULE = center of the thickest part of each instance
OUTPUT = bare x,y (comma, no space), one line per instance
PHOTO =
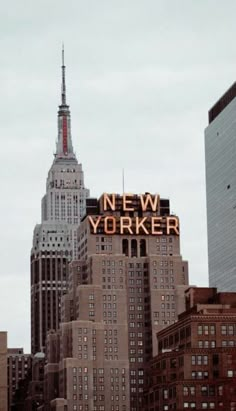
142,216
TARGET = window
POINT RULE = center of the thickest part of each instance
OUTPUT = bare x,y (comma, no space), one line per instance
223,330
230,330
206,329
199,375
185,391
205,360
220,390
204,390
212,329
199,329
215,359
192,390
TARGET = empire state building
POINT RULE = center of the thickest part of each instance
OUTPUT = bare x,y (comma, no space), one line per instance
55,239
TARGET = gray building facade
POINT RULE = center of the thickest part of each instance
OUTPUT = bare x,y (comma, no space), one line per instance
220,151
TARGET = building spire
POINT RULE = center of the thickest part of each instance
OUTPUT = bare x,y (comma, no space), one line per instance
63,84
64,147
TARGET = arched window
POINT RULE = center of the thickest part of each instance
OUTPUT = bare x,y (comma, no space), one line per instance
143,251
134,250
125,247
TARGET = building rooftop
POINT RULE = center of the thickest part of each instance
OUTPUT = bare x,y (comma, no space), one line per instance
223,102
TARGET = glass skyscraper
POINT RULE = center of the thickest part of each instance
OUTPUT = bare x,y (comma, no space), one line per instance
220,150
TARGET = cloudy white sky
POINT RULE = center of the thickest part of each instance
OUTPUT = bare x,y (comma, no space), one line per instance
141,76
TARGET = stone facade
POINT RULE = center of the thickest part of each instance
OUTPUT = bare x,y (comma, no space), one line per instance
122,290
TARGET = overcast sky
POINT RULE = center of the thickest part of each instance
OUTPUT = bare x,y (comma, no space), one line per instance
141,76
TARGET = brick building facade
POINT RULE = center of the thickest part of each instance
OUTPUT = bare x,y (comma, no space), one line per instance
196,364
3,371
19,368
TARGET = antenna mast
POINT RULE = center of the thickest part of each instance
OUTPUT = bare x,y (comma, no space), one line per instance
123,180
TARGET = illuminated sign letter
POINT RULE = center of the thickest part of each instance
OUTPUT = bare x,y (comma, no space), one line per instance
154,202
172,223
94,224
139,223
127,202
106,224
125,224
156,223
109,203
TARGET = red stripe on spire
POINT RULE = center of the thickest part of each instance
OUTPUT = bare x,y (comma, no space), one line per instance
64,133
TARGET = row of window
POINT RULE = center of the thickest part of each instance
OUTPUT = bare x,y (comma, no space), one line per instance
112,287
108,306
199,359
104,248
85,356
99,371
111,271
161,271
85,331
113,263
207,344
104,239
205,329
206,390
137,324
110,349
163,280
109,322
226,329
164,248
173,339
204,405
163,239
162,263
200,375
167,306
212,343
164,314
110,314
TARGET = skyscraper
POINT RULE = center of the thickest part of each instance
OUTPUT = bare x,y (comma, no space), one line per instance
127,284
55,239
220,150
